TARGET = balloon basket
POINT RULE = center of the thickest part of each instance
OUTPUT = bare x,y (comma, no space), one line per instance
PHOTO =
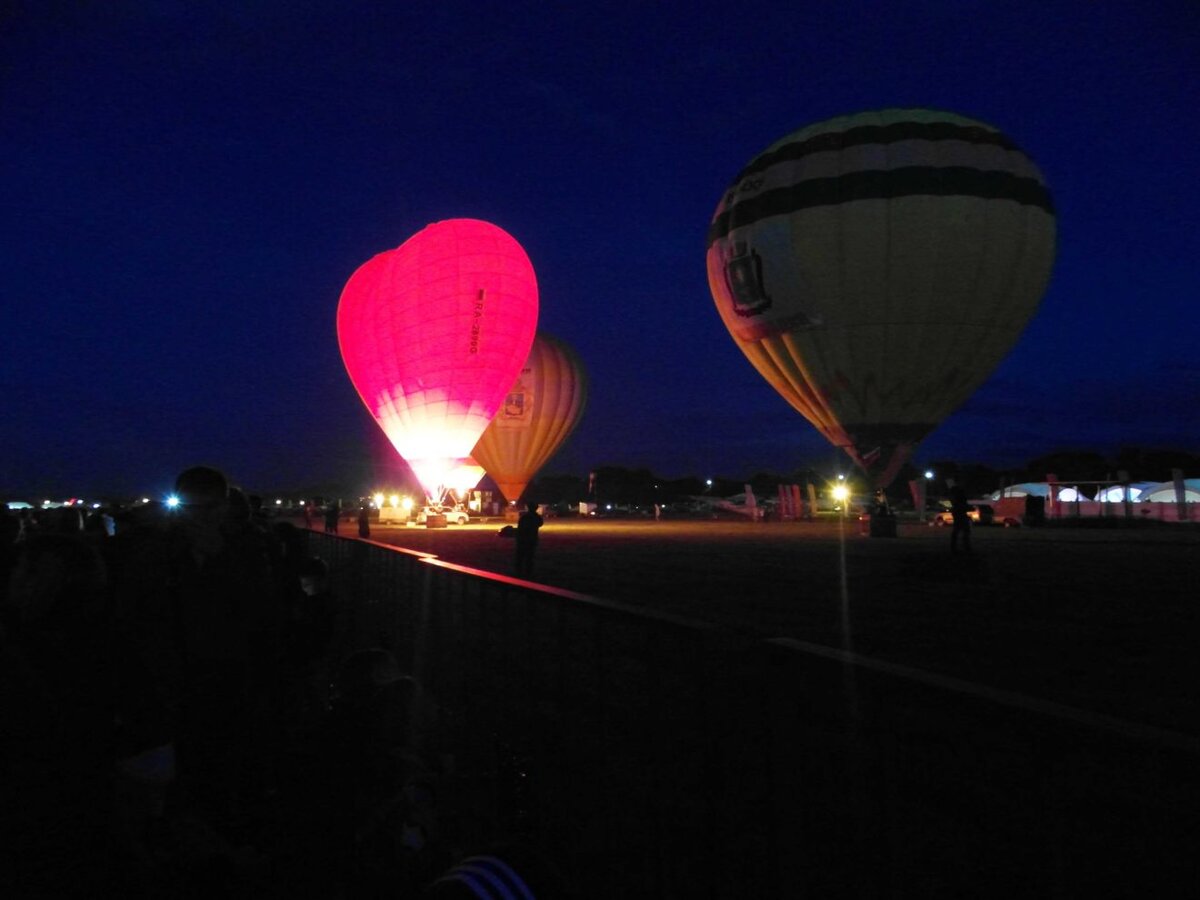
435,521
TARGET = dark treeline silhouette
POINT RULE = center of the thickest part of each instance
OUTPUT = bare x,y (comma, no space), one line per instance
642,487
1134,463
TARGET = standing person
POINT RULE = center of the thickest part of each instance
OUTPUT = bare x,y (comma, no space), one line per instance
527,539
364,521
960,511
225,620
331,518
307,515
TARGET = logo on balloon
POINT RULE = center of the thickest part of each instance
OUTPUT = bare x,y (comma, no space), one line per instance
478,314
743,276
517,408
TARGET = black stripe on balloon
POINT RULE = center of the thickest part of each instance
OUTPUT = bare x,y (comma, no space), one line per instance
882,185
877,134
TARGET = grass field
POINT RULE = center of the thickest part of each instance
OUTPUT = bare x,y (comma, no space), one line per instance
1107,620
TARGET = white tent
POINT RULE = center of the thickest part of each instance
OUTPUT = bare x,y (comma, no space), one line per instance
1023,490
1116,493
1165,492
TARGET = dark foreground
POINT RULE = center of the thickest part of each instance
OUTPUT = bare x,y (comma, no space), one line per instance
987,736
1105,620
749,710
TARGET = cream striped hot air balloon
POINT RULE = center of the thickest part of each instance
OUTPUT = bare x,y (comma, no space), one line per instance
541,410
876,268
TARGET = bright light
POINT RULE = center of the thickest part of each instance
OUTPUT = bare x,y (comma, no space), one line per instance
301,502
95,506
394,500
378,498
708,481
172,501
609,505
841,492
279,503
929,474
432,475
841,478
145,499
406,503
464,476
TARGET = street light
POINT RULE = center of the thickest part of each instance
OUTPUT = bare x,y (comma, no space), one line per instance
841,494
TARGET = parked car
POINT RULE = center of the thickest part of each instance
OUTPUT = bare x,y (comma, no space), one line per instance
455,515
978,513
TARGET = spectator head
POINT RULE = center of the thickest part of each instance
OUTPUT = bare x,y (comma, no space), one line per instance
59,579
314,576
239,511
203,494
201,486
512,868
292,541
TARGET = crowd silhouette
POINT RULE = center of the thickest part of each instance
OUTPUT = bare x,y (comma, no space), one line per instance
175,721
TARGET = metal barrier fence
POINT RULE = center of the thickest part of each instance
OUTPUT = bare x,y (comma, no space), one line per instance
663,758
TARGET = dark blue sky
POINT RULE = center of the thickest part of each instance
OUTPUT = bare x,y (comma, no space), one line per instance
187,186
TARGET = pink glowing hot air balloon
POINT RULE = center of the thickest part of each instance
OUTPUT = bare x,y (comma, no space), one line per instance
433,334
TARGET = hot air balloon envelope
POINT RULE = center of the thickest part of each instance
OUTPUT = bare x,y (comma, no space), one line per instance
432,335
462,478
540,411
876,268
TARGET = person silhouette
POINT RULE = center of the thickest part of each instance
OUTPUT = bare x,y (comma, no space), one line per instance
960,511
225,622
527,539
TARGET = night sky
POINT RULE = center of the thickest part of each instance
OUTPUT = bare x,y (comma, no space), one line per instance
186,187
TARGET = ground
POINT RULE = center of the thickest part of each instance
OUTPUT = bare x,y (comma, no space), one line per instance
1102,619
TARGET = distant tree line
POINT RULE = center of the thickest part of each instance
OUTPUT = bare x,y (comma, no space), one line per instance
642,487
1134,463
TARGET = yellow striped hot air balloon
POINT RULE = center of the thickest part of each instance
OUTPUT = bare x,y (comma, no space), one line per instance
541,410
875,269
